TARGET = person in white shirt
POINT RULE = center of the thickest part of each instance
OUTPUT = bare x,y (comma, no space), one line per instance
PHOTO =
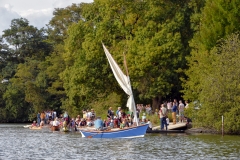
149,125
169,107
89,114
56,122
181,111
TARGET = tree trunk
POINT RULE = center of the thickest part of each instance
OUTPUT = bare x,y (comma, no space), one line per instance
156,101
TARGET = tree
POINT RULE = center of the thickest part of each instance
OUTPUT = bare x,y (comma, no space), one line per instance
219,90
27,40
217,20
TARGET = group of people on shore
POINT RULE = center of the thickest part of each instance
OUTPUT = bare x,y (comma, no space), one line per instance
176,109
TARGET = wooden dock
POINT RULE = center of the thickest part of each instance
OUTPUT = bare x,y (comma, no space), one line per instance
171,126
166,131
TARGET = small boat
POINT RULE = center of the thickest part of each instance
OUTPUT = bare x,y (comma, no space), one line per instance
55,128
131,132
27,126
35,128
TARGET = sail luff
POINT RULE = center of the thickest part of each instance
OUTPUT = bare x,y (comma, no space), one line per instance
130,86
124,82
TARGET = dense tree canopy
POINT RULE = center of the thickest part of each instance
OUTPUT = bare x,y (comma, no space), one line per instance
212,80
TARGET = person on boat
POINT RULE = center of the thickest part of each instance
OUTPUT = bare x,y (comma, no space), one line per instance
34,124
122,125
49,116
130,121
56,123
78,118
65,126
84,114
77,121
111,124
65,117
89,114
42,116
98,124
46,117
73,125
119,116
93,114
110,113
115,122
149,125
89,122
126,123
82,123
38,118
41,123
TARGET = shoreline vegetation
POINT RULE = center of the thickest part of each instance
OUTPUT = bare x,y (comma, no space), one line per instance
183,50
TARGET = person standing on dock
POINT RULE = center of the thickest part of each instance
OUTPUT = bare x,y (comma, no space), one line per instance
181,111
174,112
162,116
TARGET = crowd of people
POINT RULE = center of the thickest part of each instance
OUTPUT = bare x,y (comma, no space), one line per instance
118,119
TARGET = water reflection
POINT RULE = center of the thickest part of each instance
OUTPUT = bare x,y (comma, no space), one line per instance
20,143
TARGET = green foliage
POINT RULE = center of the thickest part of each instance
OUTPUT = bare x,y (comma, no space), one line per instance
218,19
218,85
212,68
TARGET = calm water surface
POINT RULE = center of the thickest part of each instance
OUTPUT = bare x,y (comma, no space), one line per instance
17,142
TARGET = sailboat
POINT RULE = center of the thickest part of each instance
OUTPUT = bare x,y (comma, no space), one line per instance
124,82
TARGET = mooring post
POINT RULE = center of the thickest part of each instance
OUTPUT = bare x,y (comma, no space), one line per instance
222,125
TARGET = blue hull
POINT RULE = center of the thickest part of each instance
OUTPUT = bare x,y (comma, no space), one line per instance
132,132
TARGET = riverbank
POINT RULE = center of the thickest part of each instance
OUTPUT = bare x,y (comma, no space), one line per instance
202,130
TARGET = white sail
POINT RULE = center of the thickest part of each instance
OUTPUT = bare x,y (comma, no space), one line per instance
124,82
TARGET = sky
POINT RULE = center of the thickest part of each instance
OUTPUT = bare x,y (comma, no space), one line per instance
37,12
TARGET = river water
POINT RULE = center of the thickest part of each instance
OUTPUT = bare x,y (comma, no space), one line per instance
17,142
